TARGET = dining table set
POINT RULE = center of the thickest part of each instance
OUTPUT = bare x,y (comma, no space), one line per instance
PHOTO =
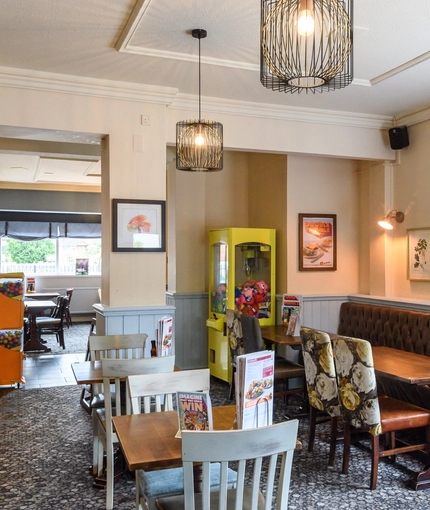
161,449
36,303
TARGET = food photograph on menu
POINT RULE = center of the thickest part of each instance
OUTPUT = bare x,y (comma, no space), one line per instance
317,242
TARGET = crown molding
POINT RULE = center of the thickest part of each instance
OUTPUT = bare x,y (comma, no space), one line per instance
411,118
288,113
69,84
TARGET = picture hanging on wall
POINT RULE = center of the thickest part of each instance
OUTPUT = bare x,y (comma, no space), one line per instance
418,248
317,242
138,225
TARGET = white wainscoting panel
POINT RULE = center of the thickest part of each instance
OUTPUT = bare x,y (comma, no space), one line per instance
132,320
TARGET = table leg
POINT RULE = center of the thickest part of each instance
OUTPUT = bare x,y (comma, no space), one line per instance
422,480
34,344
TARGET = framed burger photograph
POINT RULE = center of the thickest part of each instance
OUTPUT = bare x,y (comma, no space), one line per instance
317,242
138,225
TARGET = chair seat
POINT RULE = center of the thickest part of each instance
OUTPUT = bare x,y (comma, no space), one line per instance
171,481
177,502
287,369
398,415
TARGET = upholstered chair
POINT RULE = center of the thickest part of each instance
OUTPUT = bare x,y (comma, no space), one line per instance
363,409
321,385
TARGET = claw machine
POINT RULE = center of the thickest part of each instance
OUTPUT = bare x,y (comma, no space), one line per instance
11,328
241,276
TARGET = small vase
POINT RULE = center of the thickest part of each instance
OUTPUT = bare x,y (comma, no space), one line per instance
153,349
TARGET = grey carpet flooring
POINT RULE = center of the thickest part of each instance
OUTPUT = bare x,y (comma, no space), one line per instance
46,449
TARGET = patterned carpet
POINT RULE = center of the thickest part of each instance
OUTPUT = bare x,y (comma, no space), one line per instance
45,452
75,340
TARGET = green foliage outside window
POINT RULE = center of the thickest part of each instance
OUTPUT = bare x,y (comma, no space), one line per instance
24,252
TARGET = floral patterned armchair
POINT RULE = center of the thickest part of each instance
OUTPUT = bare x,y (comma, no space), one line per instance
362,409
321,383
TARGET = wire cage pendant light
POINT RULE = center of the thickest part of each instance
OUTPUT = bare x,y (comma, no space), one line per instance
199,143
306,45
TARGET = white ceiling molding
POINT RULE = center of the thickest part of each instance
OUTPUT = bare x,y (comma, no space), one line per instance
412,118
401,68
53,82
287,113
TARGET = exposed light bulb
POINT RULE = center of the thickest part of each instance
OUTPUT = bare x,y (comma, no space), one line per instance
306,23
199,140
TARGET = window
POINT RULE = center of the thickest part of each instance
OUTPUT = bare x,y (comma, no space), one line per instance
61,256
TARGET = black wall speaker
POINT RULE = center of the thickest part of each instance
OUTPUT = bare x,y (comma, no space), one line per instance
399,138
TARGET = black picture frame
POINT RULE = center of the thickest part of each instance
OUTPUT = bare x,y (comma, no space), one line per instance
138,225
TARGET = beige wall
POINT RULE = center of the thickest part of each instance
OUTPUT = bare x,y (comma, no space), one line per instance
288,185
324,186
412,196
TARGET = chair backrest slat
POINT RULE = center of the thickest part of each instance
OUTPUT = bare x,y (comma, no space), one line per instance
165,385
241,445
117,346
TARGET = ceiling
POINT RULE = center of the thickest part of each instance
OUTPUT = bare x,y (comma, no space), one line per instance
149,42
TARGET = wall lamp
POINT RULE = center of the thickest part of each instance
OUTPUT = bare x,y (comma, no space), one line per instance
387,221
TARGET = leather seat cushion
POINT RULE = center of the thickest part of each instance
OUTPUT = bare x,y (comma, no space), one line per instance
285,369
398,415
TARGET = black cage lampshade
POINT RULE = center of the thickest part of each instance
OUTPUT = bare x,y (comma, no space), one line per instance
306,45
199,143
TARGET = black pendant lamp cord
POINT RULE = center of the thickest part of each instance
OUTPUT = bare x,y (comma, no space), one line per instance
200,112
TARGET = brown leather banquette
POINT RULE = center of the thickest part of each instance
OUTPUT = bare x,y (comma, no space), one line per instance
407,330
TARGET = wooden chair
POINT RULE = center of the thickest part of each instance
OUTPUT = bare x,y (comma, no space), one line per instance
118,370
113,347
241,446
243,343
362,408
151,485
67,316
321,382
54,325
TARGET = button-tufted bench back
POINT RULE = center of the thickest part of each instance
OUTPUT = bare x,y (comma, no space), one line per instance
407,330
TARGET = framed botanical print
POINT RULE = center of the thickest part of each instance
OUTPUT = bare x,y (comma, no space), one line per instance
418,246
138,225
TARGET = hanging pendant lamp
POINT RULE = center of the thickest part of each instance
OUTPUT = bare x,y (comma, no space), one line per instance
199,144
306,45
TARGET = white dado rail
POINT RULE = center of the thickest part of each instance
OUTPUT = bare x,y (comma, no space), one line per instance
131,320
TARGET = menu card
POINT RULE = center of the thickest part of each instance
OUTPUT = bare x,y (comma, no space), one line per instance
164,337
291,307
194,411
254,389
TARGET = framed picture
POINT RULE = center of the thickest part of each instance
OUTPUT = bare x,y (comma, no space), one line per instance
82,266
139,225
418,246
317,242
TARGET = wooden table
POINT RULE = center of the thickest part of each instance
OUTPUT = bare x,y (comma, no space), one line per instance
278,335
148,440
41,296
403,366
33,308
90,372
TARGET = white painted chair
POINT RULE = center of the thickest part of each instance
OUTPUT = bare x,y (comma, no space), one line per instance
117,370
250,445
151,485
110,346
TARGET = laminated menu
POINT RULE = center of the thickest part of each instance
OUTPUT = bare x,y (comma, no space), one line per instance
164,337
254,389
291,306
194,411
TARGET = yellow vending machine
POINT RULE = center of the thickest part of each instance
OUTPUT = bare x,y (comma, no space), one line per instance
11,328
242,276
